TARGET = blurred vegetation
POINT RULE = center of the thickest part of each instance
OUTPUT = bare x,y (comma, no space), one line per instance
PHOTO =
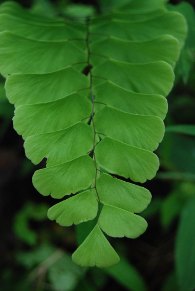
34,252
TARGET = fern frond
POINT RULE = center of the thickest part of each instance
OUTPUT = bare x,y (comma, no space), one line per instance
90,98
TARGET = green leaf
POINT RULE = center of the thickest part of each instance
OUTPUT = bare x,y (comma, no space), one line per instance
133,4
127,161
153,26
121,194
76,209
186,60
36,256
52,84
79,10
153,48
185,252
95,251
117,222
133,103
27,46
170,208
59,180
131,73
18,21
127,275
43,7
182,129
90,98
174,157
64,275
22,220
60,146
73,107
124,128
173,204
